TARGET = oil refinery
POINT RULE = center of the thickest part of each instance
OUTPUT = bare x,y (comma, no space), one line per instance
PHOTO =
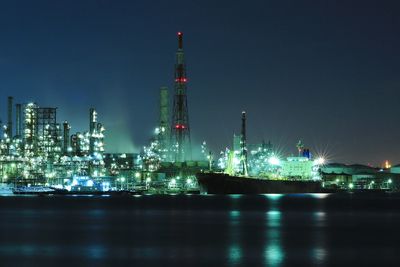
42,152
38,153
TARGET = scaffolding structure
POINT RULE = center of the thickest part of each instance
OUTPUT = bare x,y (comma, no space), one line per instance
48,131
43,151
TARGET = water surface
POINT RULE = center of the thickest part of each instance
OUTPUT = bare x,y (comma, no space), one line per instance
263,230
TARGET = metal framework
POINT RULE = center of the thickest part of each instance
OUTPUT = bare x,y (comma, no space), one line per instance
180,130
48,130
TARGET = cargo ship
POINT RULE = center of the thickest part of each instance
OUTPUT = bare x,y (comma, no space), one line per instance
221,183
296,174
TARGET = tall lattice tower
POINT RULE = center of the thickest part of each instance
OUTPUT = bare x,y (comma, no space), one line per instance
180,131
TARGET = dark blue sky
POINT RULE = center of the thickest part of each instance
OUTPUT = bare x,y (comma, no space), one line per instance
326,72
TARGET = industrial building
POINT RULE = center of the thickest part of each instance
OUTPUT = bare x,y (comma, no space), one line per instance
357,176
35,148
43,151
301,167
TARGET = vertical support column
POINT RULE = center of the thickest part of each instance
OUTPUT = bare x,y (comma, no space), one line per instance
66,137
164,130
92,128
244,145
9,113
18,120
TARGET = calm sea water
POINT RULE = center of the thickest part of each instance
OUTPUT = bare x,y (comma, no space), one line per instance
264,230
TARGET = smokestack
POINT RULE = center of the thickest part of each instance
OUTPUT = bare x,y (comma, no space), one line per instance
164,128
9,123
92,127
18,119
66,137
164,107
180,40
93,120
244,146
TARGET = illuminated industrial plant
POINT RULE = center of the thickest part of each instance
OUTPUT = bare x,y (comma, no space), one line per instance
167,159
43,152
263,161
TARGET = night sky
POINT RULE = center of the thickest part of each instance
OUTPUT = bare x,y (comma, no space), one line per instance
326,72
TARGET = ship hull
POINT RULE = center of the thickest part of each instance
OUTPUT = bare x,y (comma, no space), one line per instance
219,183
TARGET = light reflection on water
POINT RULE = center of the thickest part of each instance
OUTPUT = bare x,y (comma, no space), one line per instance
234,251
96,252
320,195
318,250
235,216
28,250
273,197
273,251
235,196
264,230
319,254
235,254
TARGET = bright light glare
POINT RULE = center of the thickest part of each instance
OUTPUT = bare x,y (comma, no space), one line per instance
172,183
320,195
319,161
273,160
274,196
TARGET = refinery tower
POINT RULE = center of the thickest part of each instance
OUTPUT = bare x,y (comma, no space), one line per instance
180,130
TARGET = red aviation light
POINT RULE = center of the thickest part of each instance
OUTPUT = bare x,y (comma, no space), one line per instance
180,80
179,33
180,126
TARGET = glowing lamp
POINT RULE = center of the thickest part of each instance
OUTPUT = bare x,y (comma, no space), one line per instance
273,160
320,161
